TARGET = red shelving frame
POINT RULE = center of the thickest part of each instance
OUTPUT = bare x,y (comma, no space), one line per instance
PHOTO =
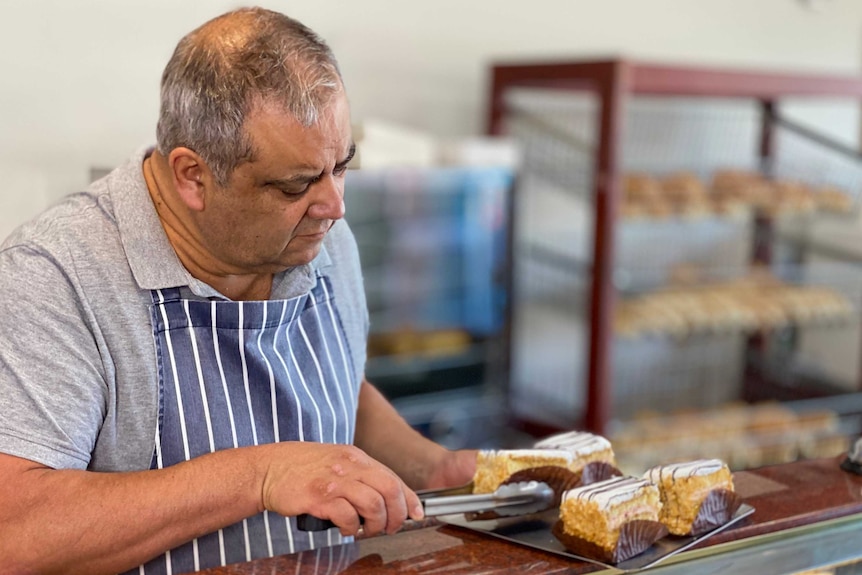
613,81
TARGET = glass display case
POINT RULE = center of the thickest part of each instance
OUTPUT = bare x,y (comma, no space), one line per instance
433,244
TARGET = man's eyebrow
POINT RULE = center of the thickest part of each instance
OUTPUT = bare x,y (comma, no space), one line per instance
300,179
350,154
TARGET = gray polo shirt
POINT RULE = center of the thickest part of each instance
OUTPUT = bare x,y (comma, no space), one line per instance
78,373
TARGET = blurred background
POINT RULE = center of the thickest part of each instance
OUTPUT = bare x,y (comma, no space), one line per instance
634,217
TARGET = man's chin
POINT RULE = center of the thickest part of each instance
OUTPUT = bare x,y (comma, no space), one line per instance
301,257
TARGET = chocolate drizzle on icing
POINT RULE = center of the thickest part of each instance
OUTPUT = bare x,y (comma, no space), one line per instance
609,492
699,467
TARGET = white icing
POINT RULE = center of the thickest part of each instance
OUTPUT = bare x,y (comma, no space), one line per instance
578,442
699,467
608,493
530,453
540,453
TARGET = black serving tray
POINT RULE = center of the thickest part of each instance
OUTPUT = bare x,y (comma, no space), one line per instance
535,531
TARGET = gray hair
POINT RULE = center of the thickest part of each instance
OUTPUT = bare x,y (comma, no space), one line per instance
223,69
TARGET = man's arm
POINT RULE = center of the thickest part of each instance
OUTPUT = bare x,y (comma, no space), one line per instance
422,464
71,521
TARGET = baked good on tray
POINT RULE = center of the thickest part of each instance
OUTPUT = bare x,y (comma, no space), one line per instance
562,461
611,520
697,496
495,467
592,457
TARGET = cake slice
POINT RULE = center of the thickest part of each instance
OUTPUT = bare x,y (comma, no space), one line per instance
559,459
611,520
563,461
495,467
696,496
592,455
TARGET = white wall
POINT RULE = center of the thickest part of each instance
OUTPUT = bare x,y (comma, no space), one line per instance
80,78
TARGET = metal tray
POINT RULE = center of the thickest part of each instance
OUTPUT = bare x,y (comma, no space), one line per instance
535,531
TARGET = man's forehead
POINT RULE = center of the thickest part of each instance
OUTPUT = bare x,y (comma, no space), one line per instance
282,147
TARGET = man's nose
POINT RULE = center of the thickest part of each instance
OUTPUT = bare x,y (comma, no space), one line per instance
328,201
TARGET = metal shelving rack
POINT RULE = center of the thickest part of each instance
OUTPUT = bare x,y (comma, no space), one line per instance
611,87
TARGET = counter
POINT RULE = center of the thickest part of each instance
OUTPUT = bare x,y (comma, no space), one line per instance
808,514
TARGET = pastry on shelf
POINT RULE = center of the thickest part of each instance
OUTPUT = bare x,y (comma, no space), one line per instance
826,444
408,343
817,421
686,193
641,188
789,197
740,186
729,192
741,434
729,180
833,199
757,301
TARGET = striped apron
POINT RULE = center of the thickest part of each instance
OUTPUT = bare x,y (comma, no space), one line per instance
235,374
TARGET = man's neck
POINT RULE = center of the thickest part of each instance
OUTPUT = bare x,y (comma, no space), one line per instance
192,254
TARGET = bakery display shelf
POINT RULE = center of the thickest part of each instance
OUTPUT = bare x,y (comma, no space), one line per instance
684,161
749,300
746,436
642,172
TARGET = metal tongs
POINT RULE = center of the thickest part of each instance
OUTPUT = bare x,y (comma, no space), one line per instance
511,499
853,461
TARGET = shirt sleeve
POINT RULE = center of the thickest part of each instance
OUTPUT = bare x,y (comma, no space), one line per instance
52,381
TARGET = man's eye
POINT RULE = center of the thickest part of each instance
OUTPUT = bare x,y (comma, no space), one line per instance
294,191
339,170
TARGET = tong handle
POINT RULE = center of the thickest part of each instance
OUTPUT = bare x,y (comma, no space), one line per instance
464,502
306,522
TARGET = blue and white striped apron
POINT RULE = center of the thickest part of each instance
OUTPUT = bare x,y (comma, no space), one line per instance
234,374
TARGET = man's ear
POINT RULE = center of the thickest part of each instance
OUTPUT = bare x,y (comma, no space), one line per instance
191,176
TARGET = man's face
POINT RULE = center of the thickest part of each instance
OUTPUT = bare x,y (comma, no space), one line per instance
276,209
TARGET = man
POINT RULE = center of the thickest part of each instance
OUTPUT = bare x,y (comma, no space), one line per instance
181,371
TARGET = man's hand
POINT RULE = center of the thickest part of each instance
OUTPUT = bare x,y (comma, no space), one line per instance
453,468
339,483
